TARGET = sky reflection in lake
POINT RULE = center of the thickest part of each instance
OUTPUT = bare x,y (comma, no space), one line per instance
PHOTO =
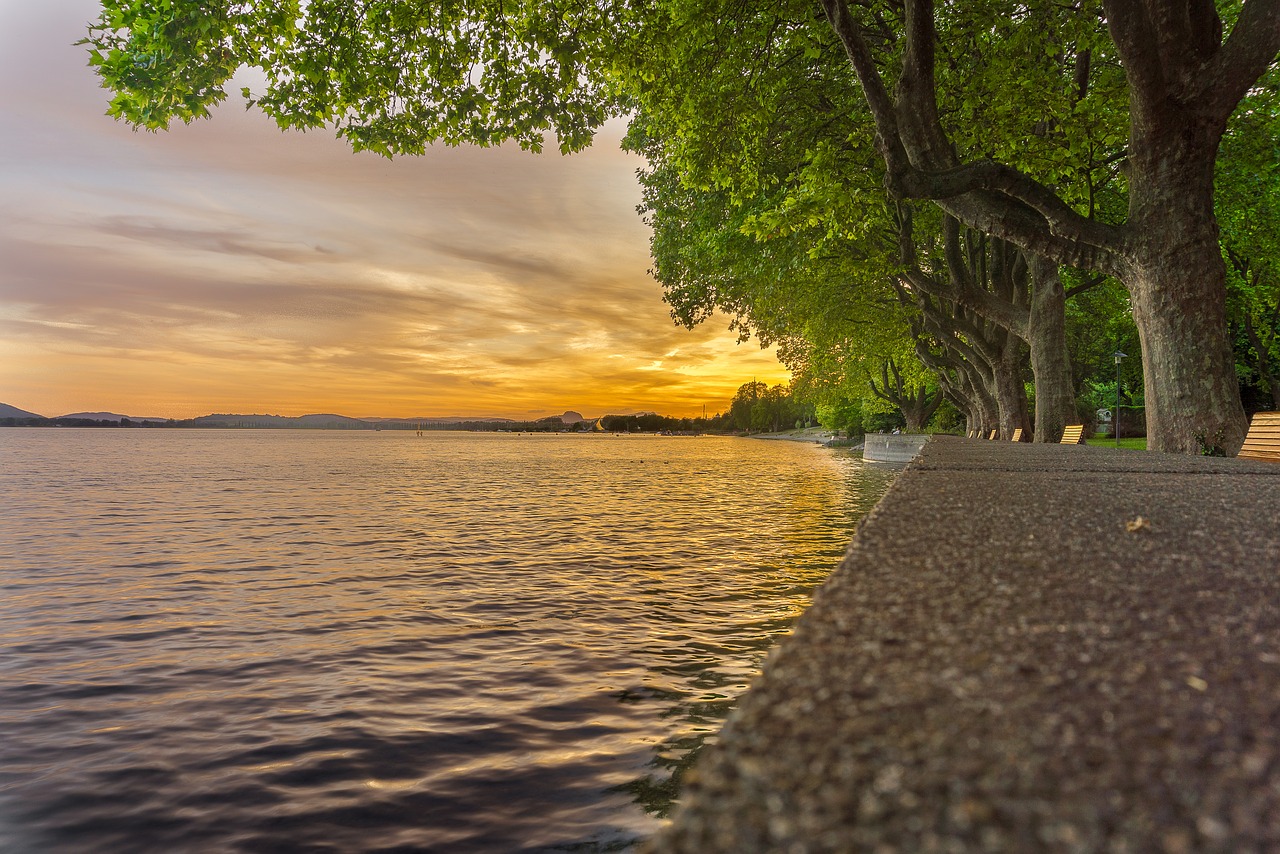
287,640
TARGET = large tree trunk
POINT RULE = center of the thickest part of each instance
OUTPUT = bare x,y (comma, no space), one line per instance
1189,377
965,405
919,407
987,390
1009,384
1050,364
988,357
985,406
1178,284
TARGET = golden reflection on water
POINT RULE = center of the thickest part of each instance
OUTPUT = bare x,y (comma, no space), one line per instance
461,640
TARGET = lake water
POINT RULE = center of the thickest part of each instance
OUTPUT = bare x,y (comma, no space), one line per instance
326,641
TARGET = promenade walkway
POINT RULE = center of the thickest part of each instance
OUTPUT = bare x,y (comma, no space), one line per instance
1027,648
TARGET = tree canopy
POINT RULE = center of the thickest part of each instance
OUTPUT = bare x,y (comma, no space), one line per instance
389,76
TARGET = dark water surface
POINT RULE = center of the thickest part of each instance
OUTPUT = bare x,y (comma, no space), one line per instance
324,641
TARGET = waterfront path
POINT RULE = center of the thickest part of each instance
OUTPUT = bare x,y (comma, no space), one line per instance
1027,648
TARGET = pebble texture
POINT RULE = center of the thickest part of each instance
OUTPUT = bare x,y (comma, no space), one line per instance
1027,648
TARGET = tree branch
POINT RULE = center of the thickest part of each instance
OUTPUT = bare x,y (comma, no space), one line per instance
1087,285
1059,217
1132,29
1248,52
960,288
991,197
888,140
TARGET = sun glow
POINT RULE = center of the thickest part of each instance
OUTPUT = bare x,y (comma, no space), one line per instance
227,267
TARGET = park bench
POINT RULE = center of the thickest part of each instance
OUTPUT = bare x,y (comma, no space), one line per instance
992,437
1017,434
1073,434
1263,439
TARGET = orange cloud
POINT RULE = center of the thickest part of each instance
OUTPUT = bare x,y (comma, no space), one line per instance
229,267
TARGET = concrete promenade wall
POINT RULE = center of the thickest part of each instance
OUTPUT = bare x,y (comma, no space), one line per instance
1026,648
890,448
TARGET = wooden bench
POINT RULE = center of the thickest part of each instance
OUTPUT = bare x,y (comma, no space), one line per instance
992,437
1073,435
1263,440
1017,434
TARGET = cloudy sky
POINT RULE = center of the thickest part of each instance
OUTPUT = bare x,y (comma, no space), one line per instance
228,267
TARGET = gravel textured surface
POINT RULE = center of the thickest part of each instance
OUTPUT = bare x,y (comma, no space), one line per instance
1027,648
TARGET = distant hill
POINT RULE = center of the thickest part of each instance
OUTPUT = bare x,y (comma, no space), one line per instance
323,421
330,421
7,411
320,421
442,419
110,416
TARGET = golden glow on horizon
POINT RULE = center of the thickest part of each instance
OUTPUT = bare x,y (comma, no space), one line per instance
227,267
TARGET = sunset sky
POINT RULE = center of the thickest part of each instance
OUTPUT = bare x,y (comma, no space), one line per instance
229,267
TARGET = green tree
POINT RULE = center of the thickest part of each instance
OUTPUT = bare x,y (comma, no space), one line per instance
1184,82
757,406
843,415
774,411
802,170
784,264
1099,323
1248,200
744,403
916,402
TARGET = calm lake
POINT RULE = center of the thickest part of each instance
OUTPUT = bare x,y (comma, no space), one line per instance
297,640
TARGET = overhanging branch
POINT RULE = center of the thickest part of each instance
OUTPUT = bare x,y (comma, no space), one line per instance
992,197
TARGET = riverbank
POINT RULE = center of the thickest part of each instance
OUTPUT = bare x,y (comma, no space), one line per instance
819,435
1027,647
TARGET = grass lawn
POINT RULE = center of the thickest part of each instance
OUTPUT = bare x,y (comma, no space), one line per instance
1125,444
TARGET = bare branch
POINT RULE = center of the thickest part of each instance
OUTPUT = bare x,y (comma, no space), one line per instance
1087,285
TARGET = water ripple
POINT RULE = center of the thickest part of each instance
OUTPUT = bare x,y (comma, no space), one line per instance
311,641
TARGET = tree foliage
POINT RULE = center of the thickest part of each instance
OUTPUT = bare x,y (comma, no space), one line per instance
1248,204
758,407
390,76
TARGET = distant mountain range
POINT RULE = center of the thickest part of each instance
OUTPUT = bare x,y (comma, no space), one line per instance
111,416
335,422
7,411
320,421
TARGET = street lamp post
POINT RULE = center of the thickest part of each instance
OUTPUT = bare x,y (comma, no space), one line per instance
1116,426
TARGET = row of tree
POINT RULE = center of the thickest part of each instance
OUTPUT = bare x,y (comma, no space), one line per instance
81,422
956,200
647,422
997,278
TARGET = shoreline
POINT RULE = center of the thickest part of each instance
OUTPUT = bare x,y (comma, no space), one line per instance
1027,647
813,435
